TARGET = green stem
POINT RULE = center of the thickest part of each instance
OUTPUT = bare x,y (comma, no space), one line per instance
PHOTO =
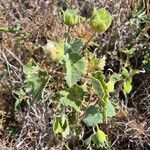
67,147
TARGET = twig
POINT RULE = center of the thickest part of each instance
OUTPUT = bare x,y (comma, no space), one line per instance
9,51
92,35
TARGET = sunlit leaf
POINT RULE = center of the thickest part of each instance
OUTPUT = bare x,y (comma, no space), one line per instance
100,139
111,83
35,79
61,125
102,63
125,72
127,85
75,67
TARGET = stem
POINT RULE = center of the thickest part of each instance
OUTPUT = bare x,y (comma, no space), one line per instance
92,35
67,146
69,29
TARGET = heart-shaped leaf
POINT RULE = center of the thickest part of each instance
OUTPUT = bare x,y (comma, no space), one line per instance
93,116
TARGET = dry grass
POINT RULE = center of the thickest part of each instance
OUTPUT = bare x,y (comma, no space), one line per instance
40,19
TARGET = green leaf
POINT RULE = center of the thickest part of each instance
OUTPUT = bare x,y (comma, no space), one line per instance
100,139
101,20
5,29
93,116
73,45
110,109
67,102
111,83
35,80
133,72
20,95
94,63
127,84
125,72
2,74
129,51
76,93
73,97
61,125
17,103
99,85
76,67
76,44
102,63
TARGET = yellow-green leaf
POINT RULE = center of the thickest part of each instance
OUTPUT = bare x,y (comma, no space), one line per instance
61,125
127,84
100,139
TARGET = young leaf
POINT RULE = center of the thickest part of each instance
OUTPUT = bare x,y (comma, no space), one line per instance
125,72
93,116
110,84
100,139
101,20
61,125
76,67
102,63
95,63
127,84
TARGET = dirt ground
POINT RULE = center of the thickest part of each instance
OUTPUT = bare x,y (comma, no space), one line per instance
31,23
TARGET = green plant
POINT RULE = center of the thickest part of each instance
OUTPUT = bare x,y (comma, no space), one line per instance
83,73
84,99
146,61
127,72
34,83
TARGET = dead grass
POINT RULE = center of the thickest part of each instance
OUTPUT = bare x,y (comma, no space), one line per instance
40,19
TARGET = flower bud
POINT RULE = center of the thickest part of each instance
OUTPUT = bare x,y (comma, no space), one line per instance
101,20
70,17
54,50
